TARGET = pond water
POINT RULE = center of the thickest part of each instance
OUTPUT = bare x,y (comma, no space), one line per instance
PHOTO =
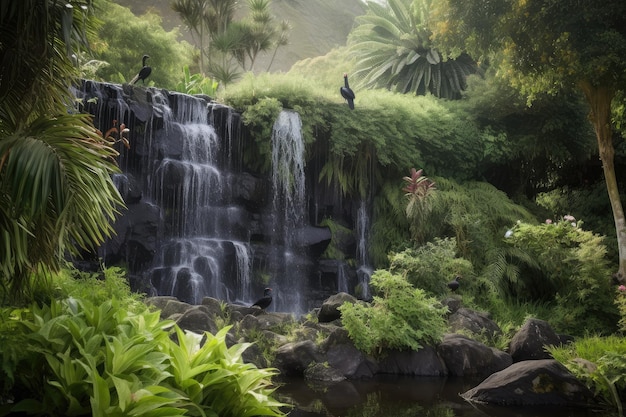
393,396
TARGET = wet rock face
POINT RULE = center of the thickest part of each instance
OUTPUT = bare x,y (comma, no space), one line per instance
532,383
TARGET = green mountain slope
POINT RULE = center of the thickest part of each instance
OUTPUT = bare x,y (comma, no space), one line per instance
317,26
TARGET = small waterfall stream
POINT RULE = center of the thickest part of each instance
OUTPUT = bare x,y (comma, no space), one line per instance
364,271
288,212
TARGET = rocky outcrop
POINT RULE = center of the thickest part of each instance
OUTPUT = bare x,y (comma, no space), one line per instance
474,322
466,357
424,362
324,353
532,383
531,340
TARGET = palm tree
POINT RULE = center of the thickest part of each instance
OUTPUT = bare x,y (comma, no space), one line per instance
56,193
393,49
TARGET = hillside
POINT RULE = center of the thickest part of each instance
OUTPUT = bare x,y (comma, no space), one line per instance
317,26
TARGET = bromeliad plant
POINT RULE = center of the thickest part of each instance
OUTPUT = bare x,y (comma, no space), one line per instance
81,359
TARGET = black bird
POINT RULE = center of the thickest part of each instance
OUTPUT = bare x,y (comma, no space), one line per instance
346,92
264,301
454,284
144,72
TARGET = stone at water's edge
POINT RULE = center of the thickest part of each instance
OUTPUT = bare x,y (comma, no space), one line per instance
532,383
466,357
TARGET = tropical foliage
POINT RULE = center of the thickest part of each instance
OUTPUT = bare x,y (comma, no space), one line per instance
538,51
417,319
394,50
83,359
122,38
570,268
56,193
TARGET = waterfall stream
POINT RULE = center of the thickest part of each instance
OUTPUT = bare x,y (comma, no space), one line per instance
288,211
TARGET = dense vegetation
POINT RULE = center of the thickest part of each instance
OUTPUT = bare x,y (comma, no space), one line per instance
508,196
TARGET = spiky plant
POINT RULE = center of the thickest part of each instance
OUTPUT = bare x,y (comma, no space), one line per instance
394,51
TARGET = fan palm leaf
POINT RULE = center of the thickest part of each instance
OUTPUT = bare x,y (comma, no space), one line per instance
394,51
56,192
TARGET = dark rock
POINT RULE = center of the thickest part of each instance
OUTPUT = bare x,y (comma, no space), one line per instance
343,356
473,321
531,340
293,359
424,362
173,306
532,383
453,304
323,373
197,320
466,357
214,306
253,354
329,310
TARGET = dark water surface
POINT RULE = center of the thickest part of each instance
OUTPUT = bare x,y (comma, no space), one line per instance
393,396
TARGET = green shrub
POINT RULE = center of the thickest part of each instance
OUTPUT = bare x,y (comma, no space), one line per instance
81,359
431,266
572,271
400,317
600,362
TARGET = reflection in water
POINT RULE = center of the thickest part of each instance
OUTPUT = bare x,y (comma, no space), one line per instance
398,396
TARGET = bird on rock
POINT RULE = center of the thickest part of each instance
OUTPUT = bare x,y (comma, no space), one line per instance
346,92
144,72
454,284
264,301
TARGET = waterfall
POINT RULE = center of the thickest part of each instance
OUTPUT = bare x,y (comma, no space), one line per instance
198,221
342,277
364,271
288,209
203,248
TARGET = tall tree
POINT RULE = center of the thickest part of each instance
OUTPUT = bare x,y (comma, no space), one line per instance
393,49
551,45
56,193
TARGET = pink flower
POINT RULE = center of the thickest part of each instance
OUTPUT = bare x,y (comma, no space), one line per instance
548,221
622,288
569,218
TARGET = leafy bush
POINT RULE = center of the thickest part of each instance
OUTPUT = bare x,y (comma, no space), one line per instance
81,359
572,270
600,362
401,317
431,266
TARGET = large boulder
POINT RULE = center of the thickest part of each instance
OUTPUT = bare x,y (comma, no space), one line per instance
330,308
466,357
473,321
424,362
531,383
531,340
293,359
342,355
198,320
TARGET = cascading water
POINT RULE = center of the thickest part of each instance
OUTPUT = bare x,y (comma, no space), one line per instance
192,185
197,221
364,271
288,212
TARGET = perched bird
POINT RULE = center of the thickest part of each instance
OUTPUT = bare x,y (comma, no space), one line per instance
454,284
346,92
264,301
144,72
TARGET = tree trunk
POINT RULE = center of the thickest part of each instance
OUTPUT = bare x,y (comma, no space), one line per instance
599,99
